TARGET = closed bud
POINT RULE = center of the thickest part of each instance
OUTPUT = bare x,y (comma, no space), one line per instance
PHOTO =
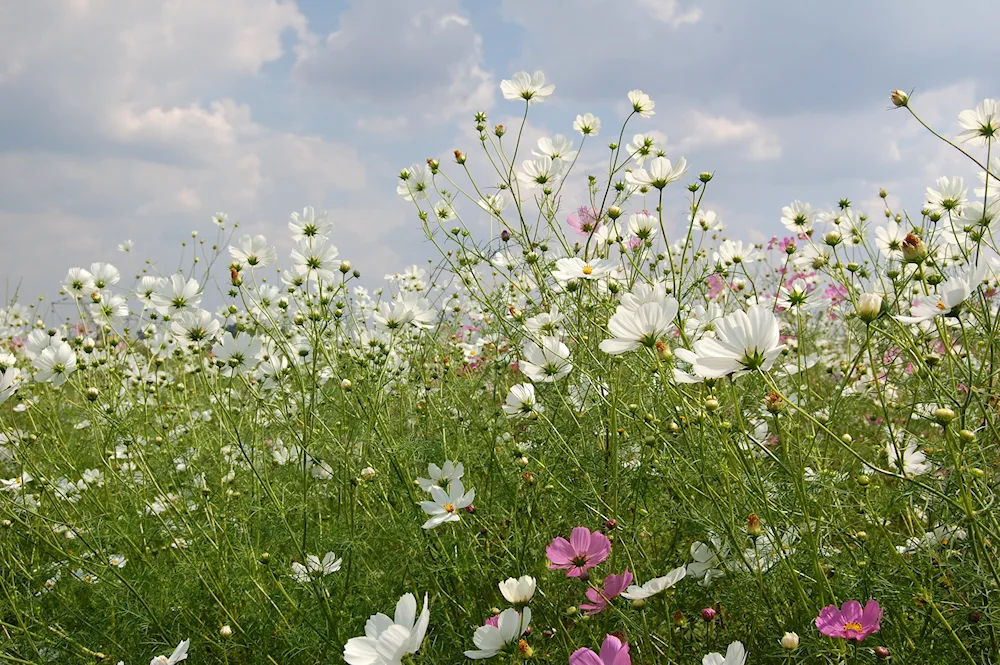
944,415
711,404
346,384
92,393
899,98
774,403
459,157
882,652
368,473
869,306
433,163
790,641
345,267
226,631
705,176
914,249
753,525
614,212
832,238
708,613
663,351
499,130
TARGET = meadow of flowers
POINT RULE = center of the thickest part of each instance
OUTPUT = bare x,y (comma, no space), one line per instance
593,432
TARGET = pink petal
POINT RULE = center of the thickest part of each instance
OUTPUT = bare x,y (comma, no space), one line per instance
584,656
851,612
579,539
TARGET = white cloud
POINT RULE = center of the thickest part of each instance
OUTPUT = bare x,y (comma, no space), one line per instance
669,11
705,130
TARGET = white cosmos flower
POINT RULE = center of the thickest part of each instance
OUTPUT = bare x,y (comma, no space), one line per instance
494,203
641,103
546,323
529,88
655,585
78,282
490,640
889,239
441,476
518,591
732,252
736,654
743,341
908,459
10,381
179,654
317,258
55,363
104,274
386,641
577,268
309,224
557,147
315,567
540,171
642,327
254,251
951,294
587,124
108,309
445,505
661,173
521,401
415,182
708,561
980,125
545,361
176,294
798,217
949,196
642,225
237,354
643,147
194,328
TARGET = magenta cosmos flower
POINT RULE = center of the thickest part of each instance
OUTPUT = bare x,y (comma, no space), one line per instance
584,221
613,652
850,622
600,598
580,553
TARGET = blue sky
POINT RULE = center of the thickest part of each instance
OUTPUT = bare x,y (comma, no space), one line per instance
139,120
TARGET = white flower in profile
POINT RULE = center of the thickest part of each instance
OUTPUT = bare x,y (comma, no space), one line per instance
104,274
546,323
518,591
644,326
491,639
415,182
441,476
587,124
981,124
10,381
444,506
798,217
254,251
889,239
545,361
176,294
386,641
736,654
557,147
708,561
315,567
641,103
107,308
950,296
521,401
796,296
744,341
55,363
949,196
643,293
732,252
444,211
992,186
126,247
309,224
494,203
219,218
179,654
661,173
655,585
529,88
708,221
576,268
78,282
540,171
908,459
642,225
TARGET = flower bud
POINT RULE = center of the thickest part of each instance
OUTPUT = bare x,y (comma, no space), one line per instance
368,473
226,631
832,238
774,403
869,306
882,652
899,98
944,415
345,384
753,524
345,267
459,157
499,130
914,249
705,176
708,613
790,641
614,212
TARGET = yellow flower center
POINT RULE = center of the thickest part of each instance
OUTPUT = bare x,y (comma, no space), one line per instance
941,306
587,270
450,507
852,625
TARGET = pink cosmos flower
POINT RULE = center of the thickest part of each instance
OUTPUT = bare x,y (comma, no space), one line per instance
580,553
613,652
600,598
850,622
716,285
584,221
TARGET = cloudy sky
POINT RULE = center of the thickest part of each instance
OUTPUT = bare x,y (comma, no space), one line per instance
139,119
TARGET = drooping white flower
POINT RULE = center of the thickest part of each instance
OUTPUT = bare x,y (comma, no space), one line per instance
10,381
518,591
708,561
531,88
386,641
908,459
655,585
491,640
743,341
950,296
